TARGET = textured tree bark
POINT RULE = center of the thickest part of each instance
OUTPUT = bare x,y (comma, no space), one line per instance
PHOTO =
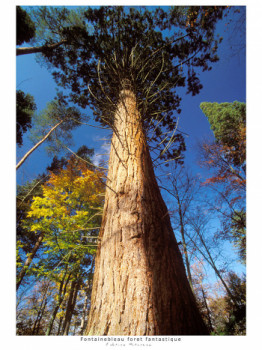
140,285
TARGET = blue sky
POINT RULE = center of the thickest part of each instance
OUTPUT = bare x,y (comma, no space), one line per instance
234,76
226,82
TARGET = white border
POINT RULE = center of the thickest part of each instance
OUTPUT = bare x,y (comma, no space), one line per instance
254,197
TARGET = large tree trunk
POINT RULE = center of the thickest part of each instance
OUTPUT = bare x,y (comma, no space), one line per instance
140,285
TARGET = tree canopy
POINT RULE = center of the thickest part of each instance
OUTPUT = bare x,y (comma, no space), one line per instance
56,111
226,157
25,27
54,124
46,28
228,122
25,108
66,215
131,66
127,46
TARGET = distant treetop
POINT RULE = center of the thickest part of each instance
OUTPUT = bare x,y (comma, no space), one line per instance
25,27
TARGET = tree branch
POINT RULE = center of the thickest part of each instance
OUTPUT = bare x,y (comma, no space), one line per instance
27,50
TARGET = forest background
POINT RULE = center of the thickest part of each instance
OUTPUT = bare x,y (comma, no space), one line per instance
254,191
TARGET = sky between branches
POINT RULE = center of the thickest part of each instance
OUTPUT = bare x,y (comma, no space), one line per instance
226,82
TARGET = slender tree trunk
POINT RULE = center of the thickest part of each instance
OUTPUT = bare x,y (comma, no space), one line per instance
62,292
40,318
52,319
70,306
207,308
74,305
40,312
182,231
140,285
37,49
212,263
83,320
37,145
36,321
60,325
224,283
88,288
74,331
29,260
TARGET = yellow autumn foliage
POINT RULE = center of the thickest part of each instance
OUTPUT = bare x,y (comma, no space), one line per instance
72,203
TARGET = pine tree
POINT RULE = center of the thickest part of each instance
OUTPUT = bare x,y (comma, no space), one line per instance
228,122
25,27
46,28
127,69
25,107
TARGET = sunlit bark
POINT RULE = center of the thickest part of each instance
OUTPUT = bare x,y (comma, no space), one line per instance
140,285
